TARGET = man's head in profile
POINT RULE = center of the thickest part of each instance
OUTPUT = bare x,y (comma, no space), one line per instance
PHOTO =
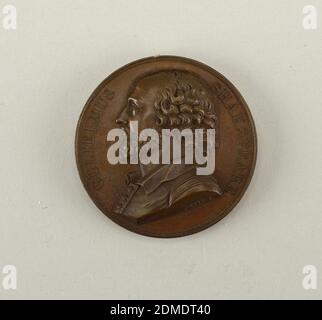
166,100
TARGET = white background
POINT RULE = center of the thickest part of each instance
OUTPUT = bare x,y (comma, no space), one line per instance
63,246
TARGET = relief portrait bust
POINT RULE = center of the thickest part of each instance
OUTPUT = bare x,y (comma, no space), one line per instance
166,100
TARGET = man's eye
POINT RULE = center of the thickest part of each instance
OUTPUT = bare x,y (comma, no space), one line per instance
132,107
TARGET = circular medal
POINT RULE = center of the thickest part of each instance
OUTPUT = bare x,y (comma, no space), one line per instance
166,146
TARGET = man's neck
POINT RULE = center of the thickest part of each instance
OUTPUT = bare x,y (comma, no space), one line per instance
147,169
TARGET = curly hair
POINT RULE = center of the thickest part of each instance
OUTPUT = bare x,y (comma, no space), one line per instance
182,105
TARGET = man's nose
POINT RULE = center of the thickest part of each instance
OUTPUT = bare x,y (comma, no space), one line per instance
122,118
121,121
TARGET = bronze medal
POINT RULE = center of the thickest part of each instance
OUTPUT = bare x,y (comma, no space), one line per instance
146,185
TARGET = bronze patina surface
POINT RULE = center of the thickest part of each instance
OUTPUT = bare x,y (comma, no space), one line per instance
166,200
